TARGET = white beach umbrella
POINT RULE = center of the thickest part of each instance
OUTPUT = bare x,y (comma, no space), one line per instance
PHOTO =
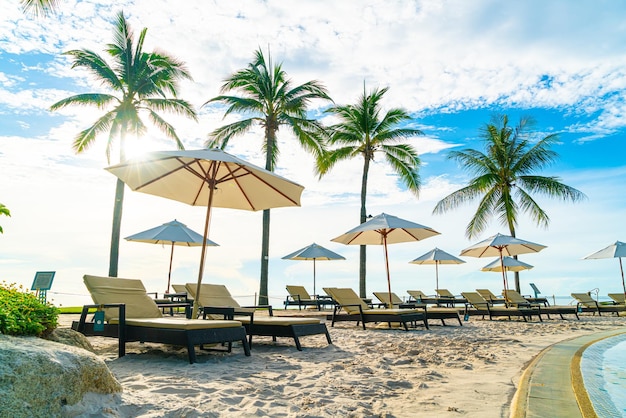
385,229
500,246
509,264
437,256
616,250
314,252
173,233
211,178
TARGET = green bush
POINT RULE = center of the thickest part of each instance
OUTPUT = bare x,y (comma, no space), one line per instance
21,313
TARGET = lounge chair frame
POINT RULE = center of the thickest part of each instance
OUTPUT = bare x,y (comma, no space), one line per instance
586,303
362,317
260,327
515,299
295,299
181,337
485,308
431,313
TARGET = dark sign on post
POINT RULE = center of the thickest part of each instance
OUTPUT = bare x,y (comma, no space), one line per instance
43,280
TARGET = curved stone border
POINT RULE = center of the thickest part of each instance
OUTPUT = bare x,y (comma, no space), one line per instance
552,383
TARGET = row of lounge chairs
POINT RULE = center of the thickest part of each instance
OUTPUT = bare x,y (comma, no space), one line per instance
125,311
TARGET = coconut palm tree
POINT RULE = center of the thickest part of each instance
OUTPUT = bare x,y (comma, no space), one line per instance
270,100
363,131
38,8
4,211
506,177
141,82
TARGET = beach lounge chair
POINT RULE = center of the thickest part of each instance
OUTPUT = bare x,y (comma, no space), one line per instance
448,298
588,304
618,298
298,296
419,296
431,313
477,305
355,309
489,296
131,315
215,299
514,298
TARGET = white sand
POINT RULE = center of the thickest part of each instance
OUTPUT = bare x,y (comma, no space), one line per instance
471,371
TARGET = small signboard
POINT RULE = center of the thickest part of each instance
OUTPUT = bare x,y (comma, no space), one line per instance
43,280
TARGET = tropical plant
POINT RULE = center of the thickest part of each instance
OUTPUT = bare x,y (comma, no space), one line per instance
364,131
4,211
38,8
22,313
142,81
505,177
270,100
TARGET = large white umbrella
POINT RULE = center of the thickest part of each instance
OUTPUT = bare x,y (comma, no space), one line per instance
617,250
385,229
437,256
500,246
174,233
509,264
211,178
314,252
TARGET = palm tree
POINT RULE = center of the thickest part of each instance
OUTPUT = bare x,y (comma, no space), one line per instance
142,81
363,131
269,99
505,177
4,211
38,8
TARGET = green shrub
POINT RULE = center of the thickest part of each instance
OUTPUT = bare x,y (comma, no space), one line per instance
21,313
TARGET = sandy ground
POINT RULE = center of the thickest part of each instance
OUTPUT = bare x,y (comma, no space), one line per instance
470,371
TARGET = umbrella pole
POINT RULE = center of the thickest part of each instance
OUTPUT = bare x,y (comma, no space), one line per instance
387,267
436,274
169,274
194,312
621,268
314,278
503,271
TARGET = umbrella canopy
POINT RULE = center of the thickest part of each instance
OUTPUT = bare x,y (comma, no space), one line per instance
617,250
174,233
436,257
314,252
385,229
509,264
502,245
207,178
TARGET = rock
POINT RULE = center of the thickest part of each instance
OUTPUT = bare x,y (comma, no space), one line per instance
39,377
70,337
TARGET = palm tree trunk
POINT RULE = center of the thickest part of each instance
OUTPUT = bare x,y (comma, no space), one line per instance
115,230
363,248
265,246
118,205
270,137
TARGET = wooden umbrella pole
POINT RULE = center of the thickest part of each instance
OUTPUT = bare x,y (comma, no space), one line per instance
387,267
169,274
314,278
503,272
436,274
621,268
211,183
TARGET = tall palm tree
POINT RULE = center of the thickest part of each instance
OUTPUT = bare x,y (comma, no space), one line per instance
4,211
269,99
363,131
141,81
505,177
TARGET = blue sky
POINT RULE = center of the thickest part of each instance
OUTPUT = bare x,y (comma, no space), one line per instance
451,64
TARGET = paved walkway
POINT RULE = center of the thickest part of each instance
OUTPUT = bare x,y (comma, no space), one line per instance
552,384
